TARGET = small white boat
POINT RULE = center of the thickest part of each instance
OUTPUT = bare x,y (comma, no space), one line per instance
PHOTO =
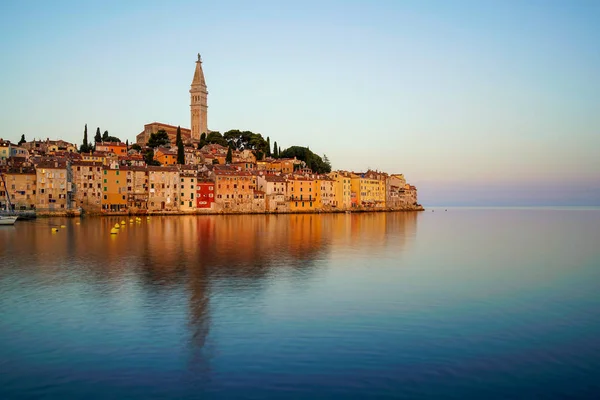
7,220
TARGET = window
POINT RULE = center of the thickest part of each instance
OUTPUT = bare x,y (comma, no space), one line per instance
105,188
105,197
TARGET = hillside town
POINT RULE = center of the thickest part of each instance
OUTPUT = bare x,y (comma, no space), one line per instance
174,170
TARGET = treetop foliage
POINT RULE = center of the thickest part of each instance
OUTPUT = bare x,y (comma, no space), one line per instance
312,160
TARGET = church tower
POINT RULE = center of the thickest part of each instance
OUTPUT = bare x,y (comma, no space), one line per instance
198,105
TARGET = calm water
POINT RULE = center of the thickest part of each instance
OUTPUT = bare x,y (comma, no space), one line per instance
464,303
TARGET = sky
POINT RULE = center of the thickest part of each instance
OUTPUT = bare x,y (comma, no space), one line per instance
476,102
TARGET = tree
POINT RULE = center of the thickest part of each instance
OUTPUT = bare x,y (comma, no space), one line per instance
136,146
127,144
268,147
149,158
22,139
275,151
159,138
180,151
84,148
215,161
279,152
216,138
98,137
312,160
229,156
202,142
105,136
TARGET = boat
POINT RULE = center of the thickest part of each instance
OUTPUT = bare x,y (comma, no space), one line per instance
7,219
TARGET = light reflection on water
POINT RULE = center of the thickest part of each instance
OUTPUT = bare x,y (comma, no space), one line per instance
465,303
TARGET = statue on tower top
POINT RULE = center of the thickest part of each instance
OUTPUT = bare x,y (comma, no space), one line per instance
199,59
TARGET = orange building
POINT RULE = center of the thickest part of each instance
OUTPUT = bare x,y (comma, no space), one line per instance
302,192
114,190
165,156
234,189
117,148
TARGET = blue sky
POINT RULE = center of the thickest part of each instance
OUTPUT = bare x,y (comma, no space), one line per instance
476,102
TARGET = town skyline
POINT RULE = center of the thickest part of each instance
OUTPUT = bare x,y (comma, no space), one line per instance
469,101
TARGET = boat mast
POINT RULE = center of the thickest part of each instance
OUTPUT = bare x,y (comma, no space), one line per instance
8,203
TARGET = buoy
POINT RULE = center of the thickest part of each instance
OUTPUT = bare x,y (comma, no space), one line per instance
114,231
131,220
54,230
117,226
63,226
77,223
122,222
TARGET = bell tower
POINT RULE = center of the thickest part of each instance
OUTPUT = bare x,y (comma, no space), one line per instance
198,102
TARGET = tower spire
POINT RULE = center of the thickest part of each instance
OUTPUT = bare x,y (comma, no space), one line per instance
199,102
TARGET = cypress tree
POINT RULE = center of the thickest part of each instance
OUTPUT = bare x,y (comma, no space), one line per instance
22,139
229,157
105,136
84,146
98,137
180,152
275,151
268,147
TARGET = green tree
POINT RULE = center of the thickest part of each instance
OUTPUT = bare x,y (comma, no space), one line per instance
268,147
136,146
105,136
216,138
159,138
127,144
98,137
202,142
84,148
279,152
180,151
22,140
312,160
149,158
229,156
275,151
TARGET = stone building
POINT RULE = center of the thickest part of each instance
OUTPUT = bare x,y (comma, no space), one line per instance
87,186
137,188
163,191
20,188
53,181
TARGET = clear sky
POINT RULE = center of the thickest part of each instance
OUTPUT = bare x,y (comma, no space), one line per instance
476,102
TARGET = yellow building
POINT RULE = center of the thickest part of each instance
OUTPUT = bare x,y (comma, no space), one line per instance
369,188
343,189
188,191
95,156
114,190
325,192
302,193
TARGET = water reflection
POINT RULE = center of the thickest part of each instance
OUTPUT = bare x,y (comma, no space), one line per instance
179,270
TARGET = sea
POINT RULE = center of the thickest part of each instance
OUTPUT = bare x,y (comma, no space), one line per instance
447,303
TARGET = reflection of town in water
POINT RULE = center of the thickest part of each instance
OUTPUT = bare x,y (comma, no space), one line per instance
204,256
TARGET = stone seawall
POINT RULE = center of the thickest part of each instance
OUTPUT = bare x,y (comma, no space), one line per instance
67,213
